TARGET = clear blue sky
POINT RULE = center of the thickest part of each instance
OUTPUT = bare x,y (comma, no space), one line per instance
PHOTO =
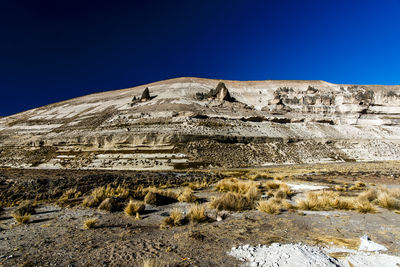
52,50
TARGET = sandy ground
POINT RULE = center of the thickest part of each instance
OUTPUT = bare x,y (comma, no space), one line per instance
56,237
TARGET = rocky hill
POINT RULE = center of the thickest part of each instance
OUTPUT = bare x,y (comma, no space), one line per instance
202,123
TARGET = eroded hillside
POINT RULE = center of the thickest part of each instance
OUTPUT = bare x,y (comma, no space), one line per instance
195,123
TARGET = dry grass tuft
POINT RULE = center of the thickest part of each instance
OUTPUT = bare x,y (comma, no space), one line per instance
271,185
197,213
286,189
340,188
280,194
101,193
358,186
268,206
385,200
236,186
232,201
25,207
253,194
72,193
198,185
90,223
328,200
318,200
134,208
187,196
369,195
175,218
364,207
22,219
109,204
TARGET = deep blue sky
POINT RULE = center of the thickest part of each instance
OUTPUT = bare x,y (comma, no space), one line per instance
52,50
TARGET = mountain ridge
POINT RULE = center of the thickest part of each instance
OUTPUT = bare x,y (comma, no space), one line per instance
184,123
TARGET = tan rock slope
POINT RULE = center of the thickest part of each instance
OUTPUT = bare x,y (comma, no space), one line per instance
198,123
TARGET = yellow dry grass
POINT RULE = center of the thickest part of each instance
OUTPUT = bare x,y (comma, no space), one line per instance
272,185
385,200
101,193
22,219
235,185
232,201
90,223
268,206
197,213
198,185
175,218
187,196
72,193
134,208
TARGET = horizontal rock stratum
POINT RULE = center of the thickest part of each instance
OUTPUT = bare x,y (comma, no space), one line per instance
202,123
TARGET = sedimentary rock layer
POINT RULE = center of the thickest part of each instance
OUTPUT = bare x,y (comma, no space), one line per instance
195,123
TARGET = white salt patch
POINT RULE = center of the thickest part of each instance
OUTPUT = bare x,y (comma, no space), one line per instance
368,245
283,255
306,187
292,255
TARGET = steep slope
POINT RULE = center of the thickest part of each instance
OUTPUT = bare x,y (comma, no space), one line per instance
193,122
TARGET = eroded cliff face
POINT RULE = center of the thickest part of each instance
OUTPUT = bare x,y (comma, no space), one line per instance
196,123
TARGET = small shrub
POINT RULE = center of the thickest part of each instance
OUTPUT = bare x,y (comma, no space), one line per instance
22,219
90,223
187,196
134,208
197,213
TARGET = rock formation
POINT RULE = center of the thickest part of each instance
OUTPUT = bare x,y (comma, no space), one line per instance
268,122
145,95
220,93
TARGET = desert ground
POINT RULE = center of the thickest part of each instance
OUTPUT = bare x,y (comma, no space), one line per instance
195,218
